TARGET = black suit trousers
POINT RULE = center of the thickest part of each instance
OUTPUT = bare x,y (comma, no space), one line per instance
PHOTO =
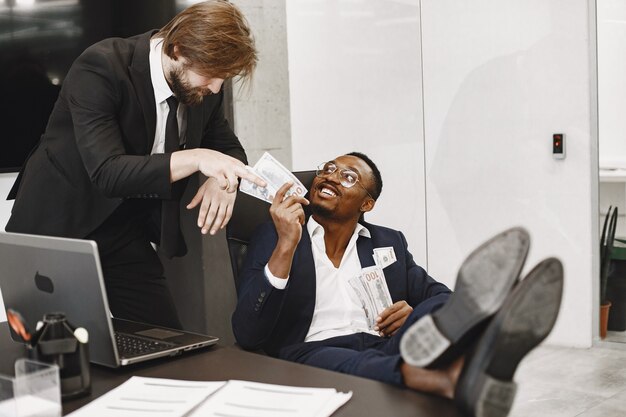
133,273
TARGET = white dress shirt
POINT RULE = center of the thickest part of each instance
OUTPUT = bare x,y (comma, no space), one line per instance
338,311
162,92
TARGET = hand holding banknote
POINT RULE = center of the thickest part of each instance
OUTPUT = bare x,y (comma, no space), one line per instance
370,287
288,217
392,318
275,175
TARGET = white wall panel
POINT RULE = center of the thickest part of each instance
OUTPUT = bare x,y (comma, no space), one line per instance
500,77
612,103
355,85
612,82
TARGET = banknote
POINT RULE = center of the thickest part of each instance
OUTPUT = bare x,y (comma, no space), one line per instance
365,299
383,257
374,280
264,193
372,291
275,175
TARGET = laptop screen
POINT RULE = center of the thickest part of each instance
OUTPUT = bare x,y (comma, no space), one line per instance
42,274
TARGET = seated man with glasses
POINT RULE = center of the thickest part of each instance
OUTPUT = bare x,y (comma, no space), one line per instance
295,301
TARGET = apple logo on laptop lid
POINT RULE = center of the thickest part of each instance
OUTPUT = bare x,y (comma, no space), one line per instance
44,283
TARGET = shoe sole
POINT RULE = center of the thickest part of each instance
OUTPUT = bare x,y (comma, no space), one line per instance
486,387
483,282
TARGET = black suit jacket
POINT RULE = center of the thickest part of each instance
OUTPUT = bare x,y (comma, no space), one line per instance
95,152
270,319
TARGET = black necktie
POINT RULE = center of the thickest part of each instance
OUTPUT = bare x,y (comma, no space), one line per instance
172,242
172,138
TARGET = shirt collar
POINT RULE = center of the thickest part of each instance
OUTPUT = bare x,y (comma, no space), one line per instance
314,228
162,90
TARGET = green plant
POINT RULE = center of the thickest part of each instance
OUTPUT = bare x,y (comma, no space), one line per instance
606,249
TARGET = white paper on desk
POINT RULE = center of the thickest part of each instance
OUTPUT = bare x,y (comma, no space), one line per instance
153,397
253,399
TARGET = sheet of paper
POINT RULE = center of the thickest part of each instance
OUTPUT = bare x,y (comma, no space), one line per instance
253,399
154,397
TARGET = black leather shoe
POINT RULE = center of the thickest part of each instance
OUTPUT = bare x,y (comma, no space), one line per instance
483,282
485,387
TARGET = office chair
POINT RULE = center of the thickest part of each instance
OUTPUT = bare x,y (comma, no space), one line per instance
248,213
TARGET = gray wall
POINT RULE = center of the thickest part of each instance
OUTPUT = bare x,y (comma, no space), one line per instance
262,115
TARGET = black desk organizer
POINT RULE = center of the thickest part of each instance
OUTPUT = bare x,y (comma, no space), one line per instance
55,343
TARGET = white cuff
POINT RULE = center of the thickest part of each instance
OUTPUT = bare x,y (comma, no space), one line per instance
278,283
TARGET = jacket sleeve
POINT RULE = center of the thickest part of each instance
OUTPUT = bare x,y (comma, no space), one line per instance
420,285
94,98
259,304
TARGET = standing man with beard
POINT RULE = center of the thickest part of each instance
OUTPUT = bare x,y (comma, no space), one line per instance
135,118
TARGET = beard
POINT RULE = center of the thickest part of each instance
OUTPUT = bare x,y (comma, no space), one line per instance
185,93
321,211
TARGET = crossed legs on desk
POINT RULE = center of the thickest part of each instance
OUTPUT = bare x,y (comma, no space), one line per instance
480,379
466,347
440,328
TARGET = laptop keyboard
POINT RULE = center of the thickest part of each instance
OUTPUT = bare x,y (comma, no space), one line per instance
129,345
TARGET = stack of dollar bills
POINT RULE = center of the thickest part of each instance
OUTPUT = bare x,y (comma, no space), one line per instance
371,286
371,289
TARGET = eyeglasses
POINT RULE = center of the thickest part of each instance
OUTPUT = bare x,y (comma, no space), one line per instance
347,177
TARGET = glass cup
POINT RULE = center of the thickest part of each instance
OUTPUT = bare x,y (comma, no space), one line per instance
33,392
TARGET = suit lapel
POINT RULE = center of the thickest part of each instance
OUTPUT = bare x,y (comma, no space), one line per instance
305,262
365,248
304,282
139,70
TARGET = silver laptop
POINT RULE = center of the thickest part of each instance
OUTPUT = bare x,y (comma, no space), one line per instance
42,274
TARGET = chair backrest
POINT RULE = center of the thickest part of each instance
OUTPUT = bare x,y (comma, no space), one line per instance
248,213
